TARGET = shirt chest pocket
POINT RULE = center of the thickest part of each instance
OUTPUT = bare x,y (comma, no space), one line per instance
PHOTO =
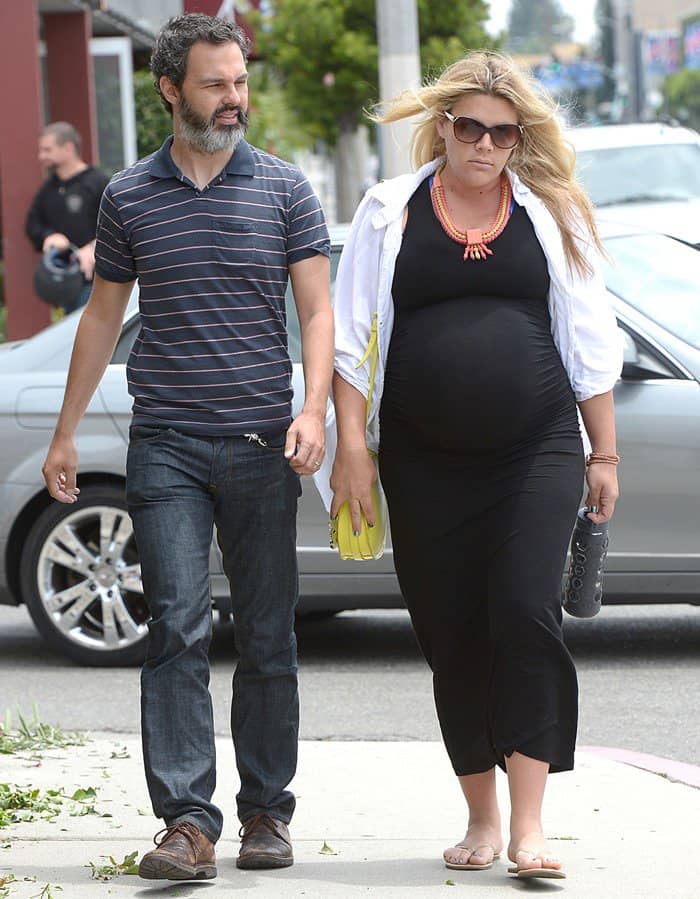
234,234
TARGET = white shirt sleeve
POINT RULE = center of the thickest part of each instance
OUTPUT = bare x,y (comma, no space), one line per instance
597,343
355,295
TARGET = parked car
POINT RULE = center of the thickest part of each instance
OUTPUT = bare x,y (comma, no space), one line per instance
645,175
76,566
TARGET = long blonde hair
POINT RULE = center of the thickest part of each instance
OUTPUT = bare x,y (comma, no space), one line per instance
543,159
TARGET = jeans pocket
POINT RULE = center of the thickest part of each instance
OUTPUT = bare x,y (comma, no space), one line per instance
148,434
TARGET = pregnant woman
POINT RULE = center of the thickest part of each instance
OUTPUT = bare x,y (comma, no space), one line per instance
481,272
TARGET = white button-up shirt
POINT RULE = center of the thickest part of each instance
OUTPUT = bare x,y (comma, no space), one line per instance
584,327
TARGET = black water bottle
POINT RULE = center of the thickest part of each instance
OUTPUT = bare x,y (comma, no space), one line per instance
584,584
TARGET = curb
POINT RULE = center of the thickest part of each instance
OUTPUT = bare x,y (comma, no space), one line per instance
678,772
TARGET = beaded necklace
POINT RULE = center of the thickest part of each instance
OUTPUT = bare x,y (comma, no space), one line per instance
474,239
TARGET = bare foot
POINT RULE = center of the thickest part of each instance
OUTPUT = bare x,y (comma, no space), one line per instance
531,850
481,844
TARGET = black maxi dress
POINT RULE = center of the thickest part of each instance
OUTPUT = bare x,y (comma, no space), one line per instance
482,463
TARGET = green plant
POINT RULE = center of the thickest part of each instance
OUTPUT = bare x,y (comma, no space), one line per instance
153,124
34,735
19,805
47,892
113,868
4,885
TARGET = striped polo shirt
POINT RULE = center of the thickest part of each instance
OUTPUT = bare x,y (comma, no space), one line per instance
212,265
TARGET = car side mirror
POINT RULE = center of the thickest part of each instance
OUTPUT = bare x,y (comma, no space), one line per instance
640,366
630,353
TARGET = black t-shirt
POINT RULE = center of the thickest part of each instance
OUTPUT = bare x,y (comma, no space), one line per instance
69,207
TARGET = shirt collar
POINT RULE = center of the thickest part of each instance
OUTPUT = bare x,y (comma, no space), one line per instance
240,163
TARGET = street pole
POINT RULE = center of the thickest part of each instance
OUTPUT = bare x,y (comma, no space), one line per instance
399,68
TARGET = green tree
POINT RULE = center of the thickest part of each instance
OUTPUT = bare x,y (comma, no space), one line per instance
324,53
681,93
535,25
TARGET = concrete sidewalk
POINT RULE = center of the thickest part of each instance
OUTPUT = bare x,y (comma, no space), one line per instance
386,809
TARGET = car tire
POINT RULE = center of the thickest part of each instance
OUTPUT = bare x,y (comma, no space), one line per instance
81,580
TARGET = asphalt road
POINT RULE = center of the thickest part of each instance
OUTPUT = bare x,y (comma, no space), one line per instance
361,678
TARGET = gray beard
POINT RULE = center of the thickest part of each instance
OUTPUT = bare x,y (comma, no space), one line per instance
206,137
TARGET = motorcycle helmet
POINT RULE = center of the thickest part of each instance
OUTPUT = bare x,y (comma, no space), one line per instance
58,279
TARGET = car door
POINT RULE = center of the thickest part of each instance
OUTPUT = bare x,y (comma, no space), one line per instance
654,534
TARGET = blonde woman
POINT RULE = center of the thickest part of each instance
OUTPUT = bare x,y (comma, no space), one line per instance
481,271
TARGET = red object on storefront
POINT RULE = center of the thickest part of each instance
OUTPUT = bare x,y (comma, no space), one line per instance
71,81
20,174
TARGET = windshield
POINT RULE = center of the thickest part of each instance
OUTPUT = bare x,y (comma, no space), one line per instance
659,277
650,174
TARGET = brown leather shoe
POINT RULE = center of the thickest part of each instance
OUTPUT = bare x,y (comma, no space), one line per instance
184,853
265,843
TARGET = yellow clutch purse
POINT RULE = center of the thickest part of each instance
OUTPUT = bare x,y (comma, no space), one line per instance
371,542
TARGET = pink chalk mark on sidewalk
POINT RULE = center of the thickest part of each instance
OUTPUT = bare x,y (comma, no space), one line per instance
680,772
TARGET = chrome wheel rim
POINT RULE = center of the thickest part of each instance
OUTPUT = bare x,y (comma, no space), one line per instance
89,580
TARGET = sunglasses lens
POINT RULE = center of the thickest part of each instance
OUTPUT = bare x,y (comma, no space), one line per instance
468,130
505,136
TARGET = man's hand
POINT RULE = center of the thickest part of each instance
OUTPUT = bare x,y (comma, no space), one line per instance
60,469
57,241
86,257
306,443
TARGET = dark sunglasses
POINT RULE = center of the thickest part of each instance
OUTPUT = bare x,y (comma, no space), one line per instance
469,131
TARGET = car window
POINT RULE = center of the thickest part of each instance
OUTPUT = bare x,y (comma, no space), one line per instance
131,328
662,172
292,318
659,277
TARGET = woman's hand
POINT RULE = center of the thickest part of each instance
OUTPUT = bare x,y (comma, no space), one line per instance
602,490
352,478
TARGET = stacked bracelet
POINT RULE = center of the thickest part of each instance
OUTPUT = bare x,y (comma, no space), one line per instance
609,458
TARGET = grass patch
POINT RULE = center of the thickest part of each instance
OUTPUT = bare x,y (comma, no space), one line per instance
34,735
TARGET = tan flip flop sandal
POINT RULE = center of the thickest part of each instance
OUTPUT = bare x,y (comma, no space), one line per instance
548,873
455,866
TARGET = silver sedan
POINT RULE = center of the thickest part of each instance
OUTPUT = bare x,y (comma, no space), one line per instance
77,568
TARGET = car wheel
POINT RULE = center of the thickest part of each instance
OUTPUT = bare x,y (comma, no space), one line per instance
81,579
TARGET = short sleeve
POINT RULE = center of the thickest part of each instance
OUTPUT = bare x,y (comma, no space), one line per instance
307,232
113,259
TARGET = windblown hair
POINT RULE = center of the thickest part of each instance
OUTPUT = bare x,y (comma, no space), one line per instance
175,39
543,159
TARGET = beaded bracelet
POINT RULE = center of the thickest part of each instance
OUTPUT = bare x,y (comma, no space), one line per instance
611,459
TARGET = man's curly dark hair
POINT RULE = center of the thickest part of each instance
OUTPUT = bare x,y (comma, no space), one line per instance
177,36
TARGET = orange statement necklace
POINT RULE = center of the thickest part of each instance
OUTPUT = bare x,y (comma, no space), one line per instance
474,239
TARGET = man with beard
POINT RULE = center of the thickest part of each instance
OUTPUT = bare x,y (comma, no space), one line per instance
64,211
212,228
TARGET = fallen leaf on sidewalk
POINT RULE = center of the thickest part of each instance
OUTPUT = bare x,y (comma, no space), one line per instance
112,868
326,850
449,883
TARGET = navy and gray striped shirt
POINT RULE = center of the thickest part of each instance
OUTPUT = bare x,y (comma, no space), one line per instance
211,355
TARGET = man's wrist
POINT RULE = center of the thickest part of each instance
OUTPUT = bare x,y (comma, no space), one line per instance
314,410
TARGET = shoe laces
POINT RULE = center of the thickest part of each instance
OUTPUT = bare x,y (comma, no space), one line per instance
186,828
255,822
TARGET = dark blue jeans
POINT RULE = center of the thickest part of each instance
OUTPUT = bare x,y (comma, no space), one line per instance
178,487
